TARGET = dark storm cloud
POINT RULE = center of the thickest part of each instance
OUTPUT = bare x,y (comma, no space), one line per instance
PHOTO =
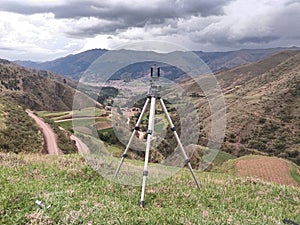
125,9
258,40
276,27
122,15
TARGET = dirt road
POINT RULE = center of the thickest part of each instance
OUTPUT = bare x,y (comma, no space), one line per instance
82,147
48,133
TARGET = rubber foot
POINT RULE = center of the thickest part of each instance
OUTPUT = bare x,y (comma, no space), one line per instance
142,204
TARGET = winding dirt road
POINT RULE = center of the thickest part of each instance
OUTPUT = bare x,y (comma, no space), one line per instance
49,135
82,147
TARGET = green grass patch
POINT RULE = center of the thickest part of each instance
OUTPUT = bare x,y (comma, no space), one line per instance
79,195
90,111
83,122
295,173
115,150
67,125
53,115
107,131
103,119
223,157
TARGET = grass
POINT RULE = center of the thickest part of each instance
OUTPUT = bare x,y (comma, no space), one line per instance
295,173
228,165
20,133
90,111
2,118
67,125
54,115
79,195
86,112
222,157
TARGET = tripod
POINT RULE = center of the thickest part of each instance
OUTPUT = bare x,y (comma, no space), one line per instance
152,96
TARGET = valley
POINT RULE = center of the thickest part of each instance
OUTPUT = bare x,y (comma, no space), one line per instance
255,173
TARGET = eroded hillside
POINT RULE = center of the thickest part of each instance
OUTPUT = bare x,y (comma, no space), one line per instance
262,106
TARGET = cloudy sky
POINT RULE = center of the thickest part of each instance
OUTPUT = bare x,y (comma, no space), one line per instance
46,29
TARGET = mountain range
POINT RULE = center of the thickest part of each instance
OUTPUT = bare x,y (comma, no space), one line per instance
262,97
75,65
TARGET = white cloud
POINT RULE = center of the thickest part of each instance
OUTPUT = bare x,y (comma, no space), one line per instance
36,37
41,30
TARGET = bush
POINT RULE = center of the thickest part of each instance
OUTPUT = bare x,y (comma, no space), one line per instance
21,134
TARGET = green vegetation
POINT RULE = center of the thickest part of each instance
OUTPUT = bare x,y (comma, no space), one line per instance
34,89
222,157
78,195
89,111
106,95
108,136
295,173
54,115
2,118
19,132
228,165
67,125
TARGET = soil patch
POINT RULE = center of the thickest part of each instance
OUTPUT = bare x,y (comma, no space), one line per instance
270,169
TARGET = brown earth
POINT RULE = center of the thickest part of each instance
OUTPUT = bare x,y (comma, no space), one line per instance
49,135
269,169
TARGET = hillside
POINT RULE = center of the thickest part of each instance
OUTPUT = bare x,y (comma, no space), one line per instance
71,65
262,106
18,132
74,65
35,89
73,193
225,60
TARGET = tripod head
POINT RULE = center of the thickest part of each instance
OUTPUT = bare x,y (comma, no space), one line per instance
155,72
154,88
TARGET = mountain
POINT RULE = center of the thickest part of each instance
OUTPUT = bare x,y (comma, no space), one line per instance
225,60
35,89
262,106
71,65
74,65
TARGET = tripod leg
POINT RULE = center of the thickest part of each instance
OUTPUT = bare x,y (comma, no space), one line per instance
136,128
149,136
187,160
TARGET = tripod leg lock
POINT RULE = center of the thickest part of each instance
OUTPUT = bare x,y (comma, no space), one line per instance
124,155
145,173
149,132
173,129
186,161
137,128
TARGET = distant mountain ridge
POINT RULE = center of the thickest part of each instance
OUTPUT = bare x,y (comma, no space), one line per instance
74,65
71,65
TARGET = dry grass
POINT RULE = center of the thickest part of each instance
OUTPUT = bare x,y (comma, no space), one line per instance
2,118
